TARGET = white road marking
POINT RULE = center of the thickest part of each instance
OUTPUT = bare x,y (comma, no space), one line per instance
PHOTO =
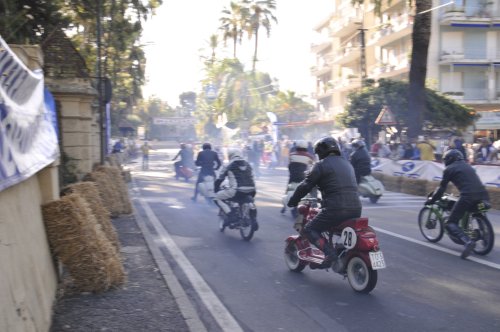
436,247
220,313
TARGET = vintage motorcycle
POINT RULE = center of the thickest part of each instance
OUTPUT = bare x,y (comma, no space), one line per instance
246,211
356,245
290,189
432,219
371,187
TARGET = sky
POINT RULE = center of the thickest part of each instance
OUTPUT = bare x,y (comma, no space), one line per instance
176,36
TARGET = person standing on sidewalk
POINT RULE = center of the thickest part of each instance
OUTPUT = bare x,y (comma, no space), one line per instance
145,148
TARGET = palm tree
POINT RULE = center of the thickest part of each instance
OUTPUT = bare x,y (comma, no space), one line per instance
418,68
232,23
214,43
261,15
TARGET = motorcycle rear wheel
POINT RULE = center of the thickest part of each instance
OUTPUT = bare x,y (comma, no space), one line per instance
292,258
429,224
246,229
361,277
482,233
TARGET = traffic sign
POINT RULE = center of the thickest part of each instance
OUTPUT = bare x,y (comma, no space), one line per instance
386,117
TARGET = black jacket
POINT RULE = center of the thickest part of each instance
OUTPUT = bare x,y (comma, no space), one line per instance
239,174
335,179
465,178
208,160
360,161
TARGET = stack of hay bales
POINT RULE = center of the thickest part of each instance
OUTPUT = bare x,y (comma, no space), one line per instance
392,183
79,242
494,197
414,186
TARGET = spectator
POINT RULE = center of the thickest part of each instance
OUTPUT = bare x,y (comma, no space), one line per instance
425,148
486,152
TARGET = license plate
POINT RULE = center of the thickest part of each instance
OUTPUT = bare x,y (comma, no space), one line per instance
377,260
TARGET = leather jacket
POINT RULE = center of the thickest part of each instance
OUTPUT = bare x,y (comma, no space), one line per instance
208,160
360,161
465,178
300,162
335,179
239,174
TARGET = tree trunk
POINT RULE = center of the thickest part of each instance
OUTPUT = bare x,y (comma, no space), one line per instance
235,40
255,49
418,69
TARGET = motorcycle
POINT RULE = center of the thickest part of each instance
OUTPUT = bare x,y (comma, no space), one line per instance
290,189
432,219
246,212
358,254
371,188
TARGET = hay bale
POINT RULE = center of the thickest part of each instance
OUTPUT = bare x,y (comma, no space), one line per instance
107,191
125,206
393,183
127,177
494,193
414,186
76,239
89,191
378,175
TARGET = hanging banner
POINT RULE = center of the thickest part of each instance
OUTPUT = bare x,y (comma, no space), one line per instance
28,136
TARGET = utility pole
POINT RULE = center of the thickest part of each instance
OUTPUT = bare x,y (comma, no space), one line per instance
100,84
363,53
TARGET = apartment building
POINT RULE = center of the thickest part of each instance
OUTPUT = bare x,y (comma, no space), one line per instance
463,58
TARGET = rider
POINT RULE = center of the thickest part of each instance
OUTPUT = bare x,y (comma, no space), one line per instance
335,178
240,180
360,159
300,162
209,161
471,189
186,155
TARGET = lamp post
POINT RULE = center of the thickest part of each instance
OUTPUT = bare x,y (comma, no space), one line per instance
100,85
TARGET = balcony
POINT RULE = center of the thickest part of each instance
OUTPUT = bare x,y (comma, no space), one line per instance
469,16
347,54
467,56
391,31
318,48
323,69
346,23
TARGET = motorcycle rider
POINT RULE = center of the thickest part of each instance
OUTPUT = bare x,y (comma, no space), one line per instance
472,192
209,162
240,180
335,178
300,161
360,159
186,155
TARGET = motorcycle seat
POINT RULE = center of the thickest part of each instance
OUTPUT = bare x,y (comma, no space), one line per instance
356,223
241,197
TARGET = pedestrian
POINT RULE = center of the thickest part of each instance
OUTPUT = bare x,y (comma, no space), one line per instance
145,148
425,148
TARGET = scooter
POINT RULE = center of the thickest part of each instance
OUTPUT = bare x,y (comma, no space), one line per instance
371,188
246,212
290,189
358,254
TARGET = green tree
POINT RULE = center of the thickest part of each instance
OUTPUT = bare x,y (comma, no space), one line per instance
290,108
261,15
233,22
365,105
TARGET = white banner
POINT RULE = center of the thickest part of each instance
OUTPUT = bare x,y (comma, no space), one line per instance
430,170
174,121
28,138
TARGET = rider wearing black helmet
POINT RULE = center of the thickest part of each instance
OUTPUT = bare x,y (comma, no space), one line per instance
209,161
334,176
471,189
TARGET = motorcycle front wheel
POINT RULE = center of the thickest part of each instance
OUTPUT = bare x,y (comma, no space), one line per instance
481,231
292,258
429,224
247,229
362,277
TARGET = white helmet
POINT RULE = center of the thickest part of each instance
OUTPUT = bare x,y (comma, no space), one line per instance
301,144
358,143
234,153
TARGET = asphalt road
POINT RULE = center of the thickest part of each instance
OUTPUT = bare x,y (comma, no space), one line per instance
236,285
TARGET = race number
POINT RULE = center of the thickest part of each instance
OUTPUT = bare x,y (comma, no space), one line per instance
348,238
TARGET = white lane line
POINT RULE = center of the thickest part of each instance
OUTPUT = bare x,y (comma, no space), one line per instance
220,313
436,247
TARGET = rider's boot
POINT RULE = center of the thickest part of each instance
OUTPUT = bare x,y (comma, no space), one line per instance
330,255
457,232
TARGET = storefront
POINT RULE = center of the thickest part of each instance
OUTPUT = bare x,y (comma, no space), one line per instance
488,125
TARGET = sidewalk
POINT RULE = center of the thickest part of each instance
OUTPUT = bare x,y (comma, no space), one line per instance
144,303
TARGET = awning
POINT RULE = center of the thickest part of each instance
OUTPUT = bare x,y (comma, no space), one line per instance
489,120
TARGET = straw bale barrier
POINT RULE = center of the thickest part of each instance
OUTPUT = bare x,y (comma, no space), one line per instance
76,239
107,191
119,186
113,161
89,191
494,197
414,186
393,183
378,175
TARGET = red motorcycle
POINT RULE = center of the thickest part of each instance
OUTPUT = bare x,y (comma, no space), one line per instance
356,245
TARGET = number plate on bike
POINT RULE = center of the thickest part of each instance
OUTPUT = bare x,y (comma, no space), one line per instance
377,260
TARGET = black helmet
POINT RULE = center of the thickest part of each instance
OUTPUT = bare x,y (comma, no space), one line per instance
326,145
207,146
451,156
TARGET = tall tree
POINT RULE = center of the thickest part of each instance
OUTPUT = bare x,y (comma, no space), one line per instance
418,69
261,15
233,22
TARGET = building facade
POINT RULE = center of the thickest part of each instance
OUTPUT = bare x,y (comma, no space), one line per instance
463,56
